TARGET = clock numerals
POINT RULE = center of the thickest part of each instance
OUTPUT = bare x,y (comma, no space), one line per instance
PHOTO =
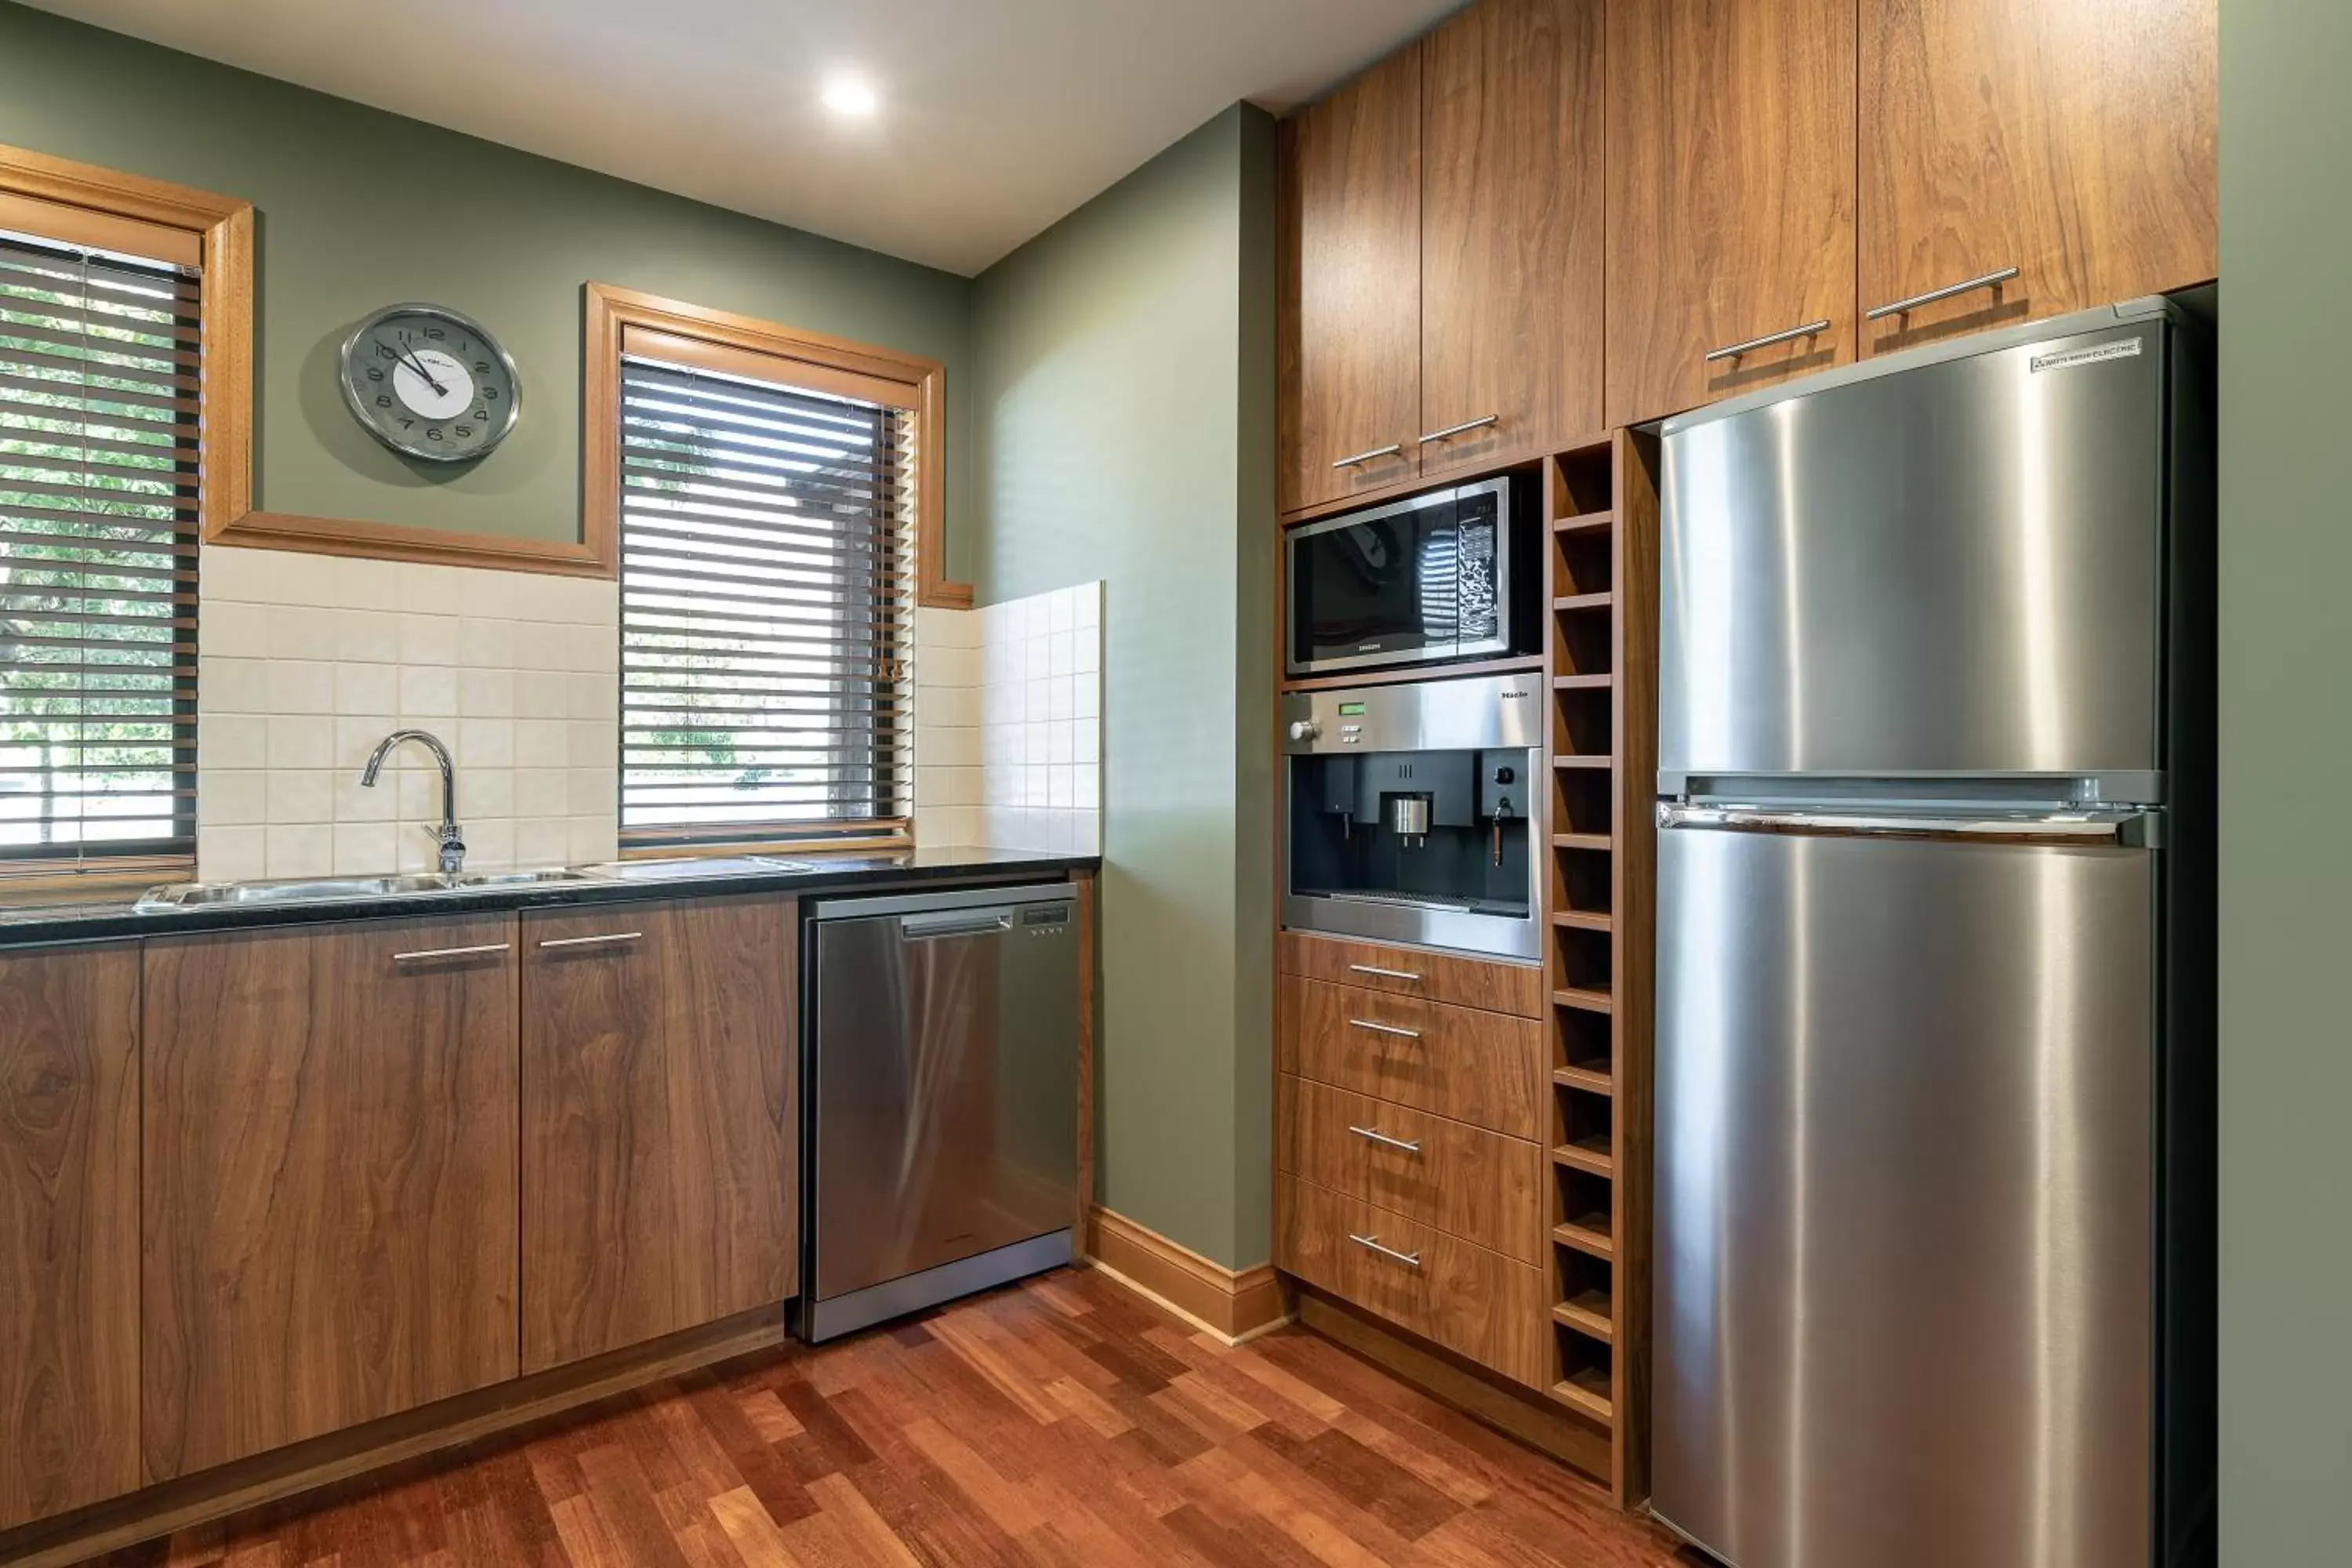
429,383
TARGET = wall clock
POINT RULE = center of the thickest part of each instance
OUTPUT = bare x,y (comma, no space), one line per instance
431,383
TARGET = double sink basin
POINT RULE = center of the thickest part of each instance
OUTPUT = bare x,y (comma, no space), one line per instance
417,884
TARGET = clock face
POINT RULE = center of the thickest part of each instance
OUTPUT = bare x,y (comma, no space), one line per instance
430,383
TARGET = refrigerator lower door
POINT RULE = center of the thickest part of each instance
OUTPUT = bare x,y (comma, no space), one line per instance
1905,1189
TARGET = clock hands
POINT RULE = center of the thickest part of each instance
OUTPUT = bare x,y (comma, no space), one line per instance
408,357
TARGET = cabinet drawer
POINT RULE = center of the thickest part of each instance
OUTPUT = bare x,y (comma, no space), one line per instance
1311,1224
1472,1302
1479,1186
1409,972
1485,1069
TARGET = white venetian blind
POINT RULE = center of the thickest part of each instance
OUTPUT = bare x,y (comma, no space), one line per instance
766,593
98,383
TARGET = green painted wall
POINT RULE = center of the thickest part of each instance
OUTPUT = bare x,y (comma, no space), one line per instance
359,208
1126,376
2286,753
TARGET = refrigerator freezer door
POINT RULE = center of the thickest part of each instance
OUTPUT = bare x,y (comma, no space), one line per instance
1904,1201
1950,569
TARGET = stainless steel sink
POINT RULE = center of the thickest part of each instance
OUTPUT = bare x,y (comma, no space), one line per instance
345,890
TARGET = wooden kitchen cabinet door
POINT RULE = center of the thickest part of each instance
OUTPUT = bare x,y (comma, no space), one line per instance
2072,139
660,1121
68,1228
1730,173
1510,252
1349,360
330,1201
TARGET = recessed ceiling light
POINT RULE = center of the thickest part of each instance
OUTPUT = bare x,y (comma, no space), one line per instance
851,97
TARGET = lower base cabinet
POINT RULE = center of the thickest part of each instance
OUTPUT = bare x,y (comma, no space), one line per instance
660,1123
329,1232
68,1228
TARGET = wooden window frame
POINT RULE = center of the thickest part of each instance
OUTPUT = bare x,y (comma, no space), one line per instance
612,312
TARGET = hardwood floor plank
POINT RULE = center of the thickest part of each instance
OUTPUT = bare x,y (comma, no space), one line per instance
1066,1423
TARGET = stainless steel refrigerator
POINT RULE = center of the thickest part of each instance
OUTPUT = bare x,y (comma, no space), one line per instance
1934,1268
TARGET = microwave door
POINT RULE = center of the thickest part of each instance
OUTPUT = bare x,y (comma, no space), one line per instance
1481,572
1358,590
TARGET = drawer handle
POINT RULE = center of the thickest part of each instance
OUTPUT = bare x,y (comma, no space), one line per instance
1390,450
1810,330
451,952
1949,291
1383,1028
610,939
1385,974
1379,1137
1409,1259
1461,429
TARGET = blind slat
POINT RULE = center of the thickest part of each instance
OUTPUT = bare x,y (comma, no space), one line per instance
766,549
99,439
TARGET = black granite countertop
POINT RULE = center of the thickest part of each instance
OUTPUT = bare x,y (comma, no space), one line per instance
25,924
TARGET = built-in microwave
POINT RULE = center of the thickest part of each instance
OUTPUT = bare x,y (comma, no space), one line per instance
1449,575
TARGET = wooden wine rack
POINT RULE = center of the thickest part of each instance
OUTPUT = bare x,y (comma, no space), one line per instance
1601,580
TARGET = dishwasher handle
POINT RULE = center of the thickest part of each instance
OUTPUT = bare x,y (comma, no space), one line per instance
954,922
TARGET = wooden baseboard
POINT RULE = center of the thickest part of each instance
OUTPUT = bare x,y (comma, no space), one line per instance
341,1456
1233,1306
1523,1412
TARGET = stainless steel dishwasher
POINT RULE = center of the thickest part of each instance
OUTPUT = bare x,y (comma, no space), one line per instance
942,1079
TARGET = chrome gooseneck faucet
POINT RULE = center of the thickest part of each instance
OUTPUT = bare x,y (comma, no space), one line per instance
452,842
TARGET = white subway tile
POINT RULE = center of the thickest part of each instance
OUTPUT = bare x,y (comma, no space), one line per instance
594,744
415,851
1085,786
1089,612
1087,698
298,631
486,644
1062,609
306,849
356,801
232,575
301,741
1061,742
484,791
371,636
542,840
359,583
301,685
486,743
540,791
231,854
429,589
595,649
357,735
428,639
233,630
481,591
591,840
427,692
1087,838
1085,738
419,794
232,741
594,697
542,742
591,791
1086,649
544,694
301,794
490,842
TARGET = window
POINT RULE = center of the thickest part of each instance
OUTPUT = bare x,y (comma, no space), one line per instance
99,401
770,495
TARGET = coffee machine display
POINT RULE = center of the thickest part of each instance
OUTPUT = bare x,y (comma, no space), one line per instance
1409,811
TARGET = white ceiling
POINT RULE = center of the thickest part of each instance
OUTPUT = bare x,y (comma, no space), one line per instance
997,116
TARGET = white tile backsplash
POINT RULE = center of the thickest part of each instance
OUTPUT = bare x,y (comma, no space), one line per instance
309,660
1008,739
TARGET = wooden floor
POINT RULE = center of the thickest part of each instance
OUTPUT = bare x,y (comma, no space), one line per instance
1066,1423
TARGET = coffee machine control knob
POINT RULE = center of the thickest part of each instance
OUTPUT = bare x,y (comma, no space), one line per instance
1505,775
1305,729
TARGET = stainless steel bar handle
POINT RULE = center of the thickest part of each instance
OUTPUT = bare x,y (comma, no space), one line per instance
1393,450
1376,1136
1464,429
451,952
611,939
2061,828
1409,1259
1810,330
1383,1028
1384,974
1949,291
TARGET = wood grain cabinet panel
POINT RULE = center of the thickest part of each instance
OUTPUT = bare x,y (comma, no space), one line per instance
2070,139
659,1121
330,1208
1349,360
1730,175
68,1228
1475,1302
1481,982
1510,251
1482,1186
1485,1068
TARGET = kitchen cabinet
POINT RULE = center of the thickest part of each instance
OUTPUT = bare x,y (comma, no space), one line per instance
1510,235
68,1228
1730,128
659,1121
1350,344
2059,138
330,1210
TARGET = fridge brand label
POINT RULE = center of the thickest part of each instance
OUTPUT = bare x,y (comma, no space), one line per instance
2068,359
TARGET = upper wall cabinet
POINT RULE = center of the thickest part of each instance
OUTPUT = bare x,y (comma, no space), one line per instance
2072,141
1730,129
1510,236
1350,340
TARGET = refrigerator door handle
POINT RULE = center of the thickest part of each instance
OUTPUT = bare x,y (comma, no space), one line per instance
2129,829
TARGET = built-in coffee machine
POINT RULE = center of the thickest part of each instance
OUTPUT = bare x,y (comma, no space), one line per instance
1409,814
